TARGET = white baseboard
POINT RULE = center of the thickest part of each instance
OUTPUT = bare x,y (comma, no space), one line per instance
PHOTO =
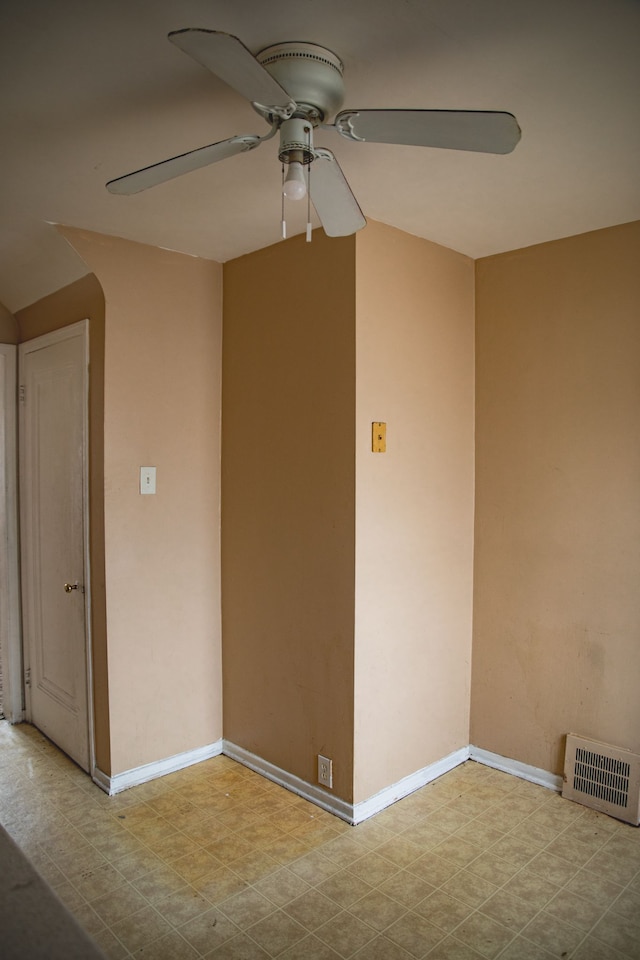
523,770
367,808
316,794
151,771
352,813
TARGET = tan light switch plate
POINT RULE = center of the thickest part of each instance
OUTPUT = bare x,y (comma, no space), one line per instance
379,437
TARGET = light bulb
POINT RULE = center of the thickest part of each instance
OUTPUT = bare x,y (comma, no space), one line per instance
295,185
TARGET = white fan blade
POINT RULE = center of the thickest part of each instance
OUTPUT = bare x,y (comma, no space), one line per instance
228,58
331,195
185,163
486,131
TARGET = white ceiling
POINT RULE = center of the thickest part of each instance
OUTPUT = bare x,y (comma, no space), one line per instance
92,90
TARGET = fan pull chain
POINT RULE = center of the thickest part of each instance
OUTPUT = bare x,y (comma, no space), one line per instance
283,221
309,189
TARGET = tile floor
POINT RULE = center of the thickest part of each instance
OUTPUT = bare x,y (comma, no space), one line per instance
217,862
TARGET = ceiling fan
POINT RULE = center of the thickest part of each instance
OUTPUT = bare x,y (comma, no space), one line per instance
296,87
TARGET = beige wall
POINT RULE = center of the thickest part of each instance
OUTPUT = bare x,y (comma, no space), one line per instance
414,505
8,326
557,569
79,301
288,504
161,408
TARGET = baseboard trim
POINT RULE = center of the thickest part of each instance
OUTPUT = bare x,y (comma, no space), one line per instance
376,803
318,795
151,771
523,770
351,813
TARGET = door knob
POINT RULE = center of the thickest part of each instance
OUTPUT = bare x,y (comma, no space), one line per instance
68,587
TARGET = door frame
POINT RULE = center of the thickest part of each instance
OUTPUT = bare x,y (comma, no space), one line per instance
28,346
10,626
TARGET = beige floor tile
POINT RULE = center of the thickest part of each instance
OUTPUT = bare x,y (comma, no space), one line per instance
182,906
310,949
378,910
408,889
344,888
574,851
372,834
448,819
196,864
555,936
344,850
613,867
546,864
140,929
254,866
314,867
260,833
70,895
241,947
160,883
118,904
399,817
443,910
345,934
425,835
470,888
400,850
382,949
492,868
287,848
515,850
593,887
110,945
204,830
208,931
282,887
373,868
415,934
621,933
532,888
457,850
219,885
312,909
137,865
575,910
277,932
229,848
245,908
87,918
482,835
485,935
433,869
521,949
170,947
510,911
592,949
628,905
452,949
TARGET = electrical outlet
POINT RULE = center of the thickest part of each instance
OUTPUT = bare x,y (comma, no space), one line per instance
325,771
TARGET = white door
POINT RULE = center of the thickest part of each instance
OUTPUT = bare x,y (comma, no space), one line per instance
10,651
53,440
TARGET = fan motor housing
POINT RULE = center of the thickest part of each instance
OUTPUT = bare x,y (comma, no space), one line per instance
311,75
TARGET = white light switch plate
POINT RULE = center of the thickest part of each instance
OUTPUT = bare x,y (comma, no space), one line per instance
147,479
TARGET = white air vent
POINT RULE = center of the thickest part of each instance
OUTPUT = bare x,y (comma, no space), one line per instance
602,777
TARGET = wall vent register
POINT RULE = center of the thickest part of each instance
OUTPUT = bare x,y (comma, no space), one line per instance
602,777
